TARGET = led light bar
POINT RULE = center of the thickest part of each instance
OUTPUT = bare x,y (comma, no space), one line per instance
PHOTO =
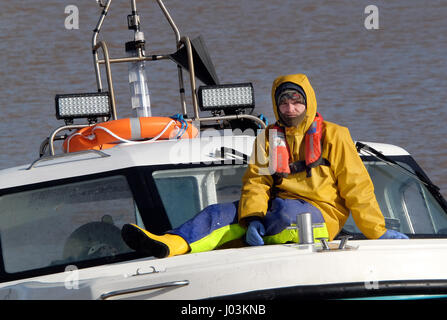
226,96
83,105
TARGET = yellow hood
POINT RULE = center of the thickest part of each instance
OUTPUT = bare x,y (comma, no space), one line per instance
311,101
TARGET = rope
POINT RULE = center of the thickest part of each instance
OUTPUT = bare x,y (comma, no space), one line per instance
179,117
91,137
263,118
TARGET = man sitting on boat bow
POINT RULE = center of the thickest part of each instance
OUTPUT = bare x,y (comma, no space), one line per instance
300,164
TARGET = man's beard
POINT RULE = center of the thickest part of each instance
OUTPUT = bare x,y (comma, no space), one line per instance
292,121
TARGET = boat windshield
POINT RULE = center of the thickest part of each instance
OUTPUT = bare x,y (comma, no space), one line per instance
408,206
64,224
405,201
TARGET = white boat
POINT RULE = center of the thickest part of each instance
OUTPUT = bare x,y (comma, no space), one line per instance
60,216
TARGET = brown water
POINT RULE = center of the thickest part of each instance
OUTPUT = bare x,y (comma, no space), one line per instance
387,85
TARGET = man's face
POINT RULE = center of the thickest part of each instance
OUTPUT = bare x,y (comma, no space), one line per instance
291,108
292,111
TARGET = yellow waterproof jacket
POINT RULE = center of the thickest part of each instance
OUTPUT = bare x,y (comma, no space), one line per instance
343,187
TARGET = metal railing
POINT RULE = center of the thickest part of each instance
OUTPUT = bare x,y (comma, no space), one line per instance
107,61
180,40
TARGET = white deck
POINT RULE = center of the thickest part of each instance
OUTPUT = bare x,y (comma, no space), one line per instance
232,271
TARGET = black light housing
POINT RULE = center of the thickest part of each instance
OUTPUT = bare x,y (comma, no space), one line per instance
226,97
82,105
203,66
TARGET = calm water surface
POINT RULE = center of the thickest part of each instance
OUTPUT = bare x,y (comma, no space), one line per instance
387,85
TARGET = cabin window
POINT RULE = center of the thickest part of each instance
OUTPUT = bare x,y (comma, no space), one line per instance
185,192
65,223
405,201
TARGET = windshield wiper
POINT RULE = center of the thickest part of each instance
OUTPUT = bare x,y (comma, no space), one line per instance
434,189
417,175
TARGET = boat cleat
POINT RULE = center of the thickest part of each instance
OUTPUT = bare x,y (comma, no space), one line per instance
342,246
146,270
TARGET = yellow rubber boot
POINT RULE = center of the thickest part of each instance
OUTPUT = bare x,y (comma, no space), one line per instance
141,240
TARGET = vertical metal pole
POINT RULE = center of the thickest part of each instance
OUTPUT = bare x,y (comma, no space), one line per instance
179,69
133,5
192,76
94,42
103,45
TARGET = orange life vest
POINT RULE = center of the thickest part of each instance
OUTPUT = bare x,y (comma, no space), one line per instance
280,156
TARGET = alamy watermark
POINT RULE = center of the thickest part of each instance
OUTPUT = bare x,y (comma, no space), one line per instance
371,21
372,18
72,278
190,150
72,19
371,283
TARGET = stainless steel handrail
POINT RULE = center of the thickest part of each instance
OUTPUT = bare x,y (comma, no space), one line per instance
63,155
179,68
179,41
135,59
105,51
235,117
107,61
66,127
192,75
115,293
94,42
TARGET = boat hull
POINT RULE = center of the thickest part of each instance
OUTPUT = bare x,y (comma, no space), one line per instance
368,269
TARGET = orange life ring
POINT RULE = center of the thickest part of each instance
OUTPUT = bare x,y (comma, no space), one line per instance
108,134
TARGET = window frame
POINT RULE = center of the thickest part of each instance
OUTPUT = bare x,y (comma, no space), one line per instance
146,196
407,159
136,184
